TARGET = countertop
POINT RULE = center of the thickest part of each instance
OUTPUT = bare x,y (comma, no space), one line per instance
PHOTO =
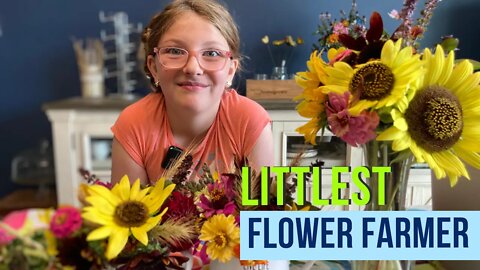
118,103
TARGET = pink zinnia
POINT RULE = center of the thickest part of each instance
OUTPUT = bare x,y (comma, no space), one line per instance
220,197
354,130
65,221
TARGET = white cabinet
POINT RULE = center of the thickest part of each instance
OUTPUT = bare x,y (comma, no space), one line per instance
81,139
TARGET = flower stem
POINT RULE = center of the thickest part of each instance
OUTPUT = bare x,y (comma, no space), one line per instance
271,55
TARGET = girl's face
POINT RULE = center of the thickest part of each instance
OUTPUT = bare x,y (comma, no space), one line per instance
192,87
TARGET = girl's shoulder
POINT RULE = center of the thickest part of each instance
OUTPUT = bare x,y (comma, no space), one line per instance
236,104
148,107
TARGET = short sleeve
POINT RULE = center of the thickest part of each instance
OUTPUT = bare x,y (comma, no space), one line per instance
249,120
128,132
255,123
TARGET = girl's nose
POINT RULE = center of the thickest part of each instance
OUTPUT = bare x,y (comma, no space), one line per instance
193,66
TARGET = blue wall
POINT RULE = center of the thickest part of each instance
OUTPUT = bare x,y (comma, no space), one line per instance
37,62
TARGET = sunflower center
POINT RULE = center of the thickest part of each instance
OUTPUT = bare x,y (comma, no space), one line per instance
220,240
435,119
131,214
373,81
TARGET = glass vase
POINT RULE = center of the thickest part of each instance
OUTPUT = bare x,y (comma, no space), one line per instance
382,265
235,265
279,73
381,154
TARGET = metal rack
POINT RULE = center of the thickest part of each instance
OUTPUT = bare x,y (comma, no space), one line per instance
121,52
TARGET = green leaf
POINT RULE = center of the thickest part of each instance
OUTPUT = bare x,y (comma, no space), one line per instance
400,156
449,43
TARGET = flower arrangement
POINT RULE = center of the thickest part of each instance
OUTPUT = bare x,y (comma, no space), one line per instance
400,103
285,53
329,30
129,226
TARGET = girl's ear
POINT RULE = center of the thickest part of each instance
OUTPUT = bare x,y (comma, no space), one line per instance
232,69
152,66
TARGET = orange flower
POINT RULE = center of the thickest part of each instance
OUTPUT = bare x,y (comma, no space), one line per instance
236,251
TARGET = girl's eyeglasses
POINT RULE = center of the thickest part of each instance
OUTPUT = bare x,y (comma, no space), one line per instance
208,59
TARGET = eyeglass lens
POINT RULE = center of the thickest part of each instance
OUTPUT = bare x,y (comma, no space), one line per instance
209,59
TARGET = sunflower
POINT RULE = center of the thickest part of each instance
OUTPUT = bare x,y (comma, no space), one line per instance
312,104
441,123
221,235
124,210
377,83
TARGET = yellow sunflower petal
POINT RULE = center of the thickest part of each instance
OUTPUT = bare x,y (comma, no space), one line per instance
388,53
333,88
100,233
97,217
101,191
400,145
450,163
116,243
140,234
124,188
435,67
459,74
453,179
390,134
101,203
158,195
470,157
135,190
471,144
153,221
401,124
465,88
447,70
310,130
361,105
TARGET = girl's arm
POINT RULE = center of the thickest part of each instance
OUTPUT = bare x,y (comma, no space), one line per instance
262,152
123,164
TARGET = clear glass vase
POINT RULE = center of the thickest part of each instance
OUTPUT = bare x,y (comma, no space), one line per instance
279,73
381,154
235,265
382,265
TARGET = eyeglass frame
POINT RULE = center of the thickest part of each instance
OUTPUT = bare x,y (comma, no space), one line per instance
228,55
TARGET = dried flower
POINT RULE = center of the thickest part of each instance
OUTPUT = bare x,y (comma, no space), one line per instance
288,41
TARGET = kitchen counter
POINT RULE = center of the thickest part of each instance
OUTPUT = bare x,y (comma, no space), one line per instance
118,103
79,103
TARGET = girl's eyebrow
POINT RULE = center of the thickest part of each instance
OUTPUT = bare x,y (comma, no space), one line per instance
174,42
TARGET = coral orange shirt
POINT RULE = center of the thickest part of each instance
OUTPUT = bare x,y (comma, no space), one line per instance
144,132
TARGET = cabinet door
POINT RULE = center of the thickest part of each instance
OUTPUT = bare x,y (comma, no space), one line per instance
97,155
94,142
328,149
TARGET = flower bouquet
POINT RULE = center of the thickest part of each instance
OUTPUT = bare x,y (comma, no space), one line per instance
172,224
399,103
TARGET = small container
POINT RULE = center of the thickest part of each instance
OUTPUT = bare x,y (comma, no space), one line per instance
279,73
92,80
261,76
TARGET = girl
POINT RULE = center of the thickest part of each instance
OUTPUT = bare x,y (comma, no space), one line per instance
192,54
